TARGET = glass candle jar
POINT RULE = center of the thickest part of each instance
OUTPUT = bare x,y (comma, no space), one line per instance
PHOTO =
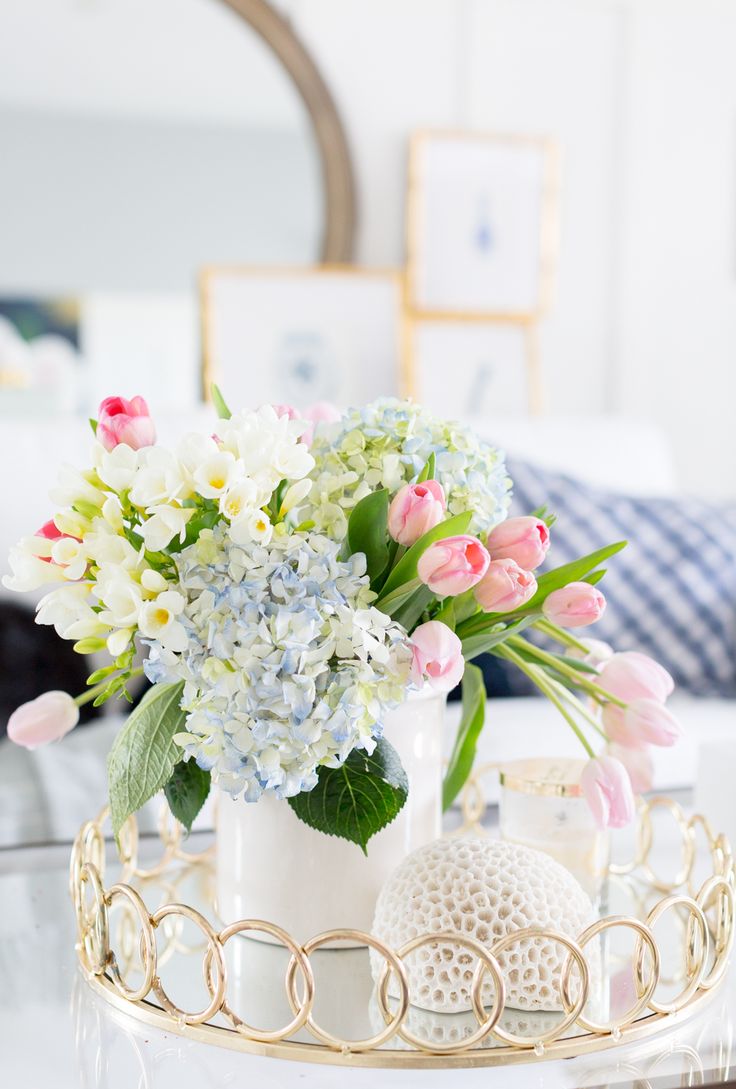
542,806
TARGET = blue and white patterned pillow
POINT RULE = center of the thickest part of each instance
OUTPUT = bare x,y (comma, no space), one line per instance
671,593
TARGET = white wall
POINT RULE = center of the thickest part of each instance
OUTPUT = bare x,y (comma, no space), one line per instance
641,95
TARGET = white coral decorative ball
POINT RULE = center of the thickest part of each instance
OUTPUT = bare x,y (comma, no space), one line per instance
485,889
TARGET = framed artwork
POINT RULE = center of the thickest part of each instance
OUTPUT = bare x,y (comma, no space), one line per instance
482,224
297,336
40,364
473,371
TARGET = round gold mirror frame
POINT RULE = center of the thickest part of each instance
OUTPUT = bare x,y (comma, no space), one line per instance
335,162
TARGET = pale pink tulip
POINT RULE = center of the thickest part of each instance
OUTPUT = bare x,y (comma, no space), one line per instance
286,410
596,652
321,412
638,763
120,421
607,789
630,675
414,510
505,587
524,539
644,722
452,566
47,718
575,605
438,656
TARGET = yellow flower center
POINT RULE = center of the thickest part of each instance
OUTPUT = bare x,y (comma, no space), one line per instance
161,617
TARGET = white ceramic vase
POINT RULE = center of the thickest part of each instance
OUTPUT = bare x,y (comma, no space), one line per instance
270,865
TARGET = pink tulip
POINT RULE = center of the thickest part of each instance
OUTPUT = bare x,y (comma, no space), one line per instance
524,539
631,675
452,566
438,656
286,410
505,587
596,653
120,421
414,510
644,722
575,605
638,763
47,718
607,789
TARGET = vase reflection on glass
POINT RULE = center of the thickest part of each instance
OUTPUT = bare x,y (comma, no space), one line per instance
270,865
542,806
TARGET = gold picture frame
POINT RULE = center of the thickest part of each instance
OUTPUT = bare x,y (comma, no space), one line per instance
213,365
548,235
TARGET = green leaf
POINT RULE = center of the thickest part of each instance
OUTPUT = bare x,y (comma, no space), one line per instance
447,613
186,791
144,753
468,732
100,674
93,424
394,601
357,799
410,613
406,569
429,469
368,532
218,401
483,641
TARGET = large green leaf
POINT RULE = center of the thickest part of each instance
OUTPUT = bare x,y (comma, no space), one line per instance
468,732
357,799
482,641
406,569
368,532
144,753
570,572
186,791
429,469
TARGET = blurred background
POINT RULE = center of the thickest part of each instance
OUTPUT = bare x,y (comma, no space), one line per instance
555,261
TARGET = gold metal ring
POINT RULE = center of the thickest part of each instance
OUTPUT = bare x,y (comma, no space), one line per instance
94,939
266,1036
218,994
644,934
395,1020
147,945
697,973
724,932
646,839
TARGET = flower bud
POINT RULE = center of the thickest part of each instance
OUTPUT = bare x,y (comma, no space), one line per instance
47,718
575,605
505,587
452,566
438,656
607,789
525,540
414,510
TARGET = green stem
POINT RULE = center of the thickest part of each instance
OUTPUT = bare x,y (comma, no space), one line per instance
560,635
565,693
536,674
93,692
579,679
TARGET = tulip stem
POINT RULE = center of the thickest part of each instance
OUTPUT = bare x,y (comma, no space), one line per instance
93,692
560,635
566,694
537,675
579,679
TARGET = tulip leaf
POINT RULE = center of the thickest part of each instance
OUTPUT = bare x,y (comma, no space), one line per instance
368,532
479,642
144,753
357,799
223,412
570,572
468,732
429,469
406,569
186,791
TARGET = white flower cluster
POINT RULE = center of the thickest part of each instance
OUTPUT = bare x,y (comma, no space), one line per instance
287,665
120,522
386,444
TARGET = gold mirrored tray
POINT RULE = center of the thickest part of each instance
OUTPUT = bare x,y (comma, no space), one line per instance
150,942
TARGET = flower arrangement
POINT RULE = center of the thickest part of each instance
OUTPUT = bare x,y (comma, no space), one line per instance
289,580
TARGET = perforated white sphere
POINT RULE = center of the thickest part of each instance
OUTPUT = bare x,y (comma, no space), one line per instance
485,889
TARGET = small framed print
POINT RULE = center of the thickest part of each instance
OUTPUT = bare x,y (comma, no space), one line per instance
473,371
482,224
297,336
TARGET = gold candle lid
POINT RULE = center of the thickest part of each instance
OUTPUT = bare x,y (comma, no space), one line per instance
544,775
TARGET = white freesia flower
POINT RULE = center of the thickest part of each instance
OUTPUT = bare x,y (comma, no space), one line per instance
73,487
160,478
240,499
215,475
72,523
118,641
112,512
69,610
121,595
71,556
153,581
194,449
117,467
164,525
109,549
30,569
157,620
294,495
259,527
268,446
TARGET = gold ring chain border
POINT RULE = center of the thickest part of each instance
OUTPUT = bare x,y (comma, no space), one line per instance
99,963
